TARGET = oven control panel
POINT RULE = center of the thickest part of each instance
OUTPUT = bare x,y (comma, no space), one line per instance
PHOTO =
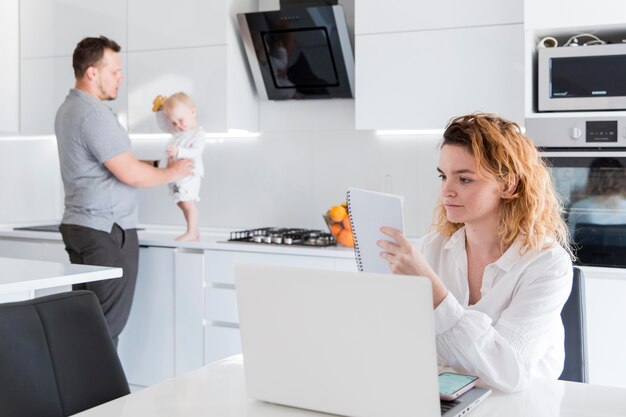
570,132
601,131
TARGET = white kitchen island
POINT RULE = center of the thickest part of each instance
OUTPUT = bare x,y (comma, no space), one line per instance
20,278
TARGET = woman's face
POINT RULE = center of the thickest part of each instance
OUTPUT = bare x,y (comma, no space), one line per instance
467,198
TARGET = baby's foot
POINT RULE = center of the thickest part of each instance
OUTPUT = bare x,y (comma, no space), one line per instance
189,237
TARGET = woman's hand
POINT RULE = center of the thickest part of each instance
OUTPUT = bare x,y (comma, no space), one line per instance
405,259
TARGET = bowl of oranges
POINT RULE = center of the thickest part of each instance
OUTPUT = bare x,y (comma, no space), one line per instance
338,221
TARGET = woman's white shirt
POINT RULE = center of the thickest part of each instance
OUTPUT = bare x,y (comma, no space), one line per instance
515,331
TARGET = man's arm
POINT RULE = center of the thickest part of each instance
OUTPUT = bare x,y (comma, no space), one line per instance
131,171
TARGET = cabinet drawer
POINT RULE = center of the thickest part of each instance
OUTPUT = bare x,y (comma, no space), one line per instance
219,264
220,342
221,305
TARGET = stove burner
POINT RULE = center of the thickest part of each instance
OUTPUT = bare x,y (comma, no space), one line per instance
283,236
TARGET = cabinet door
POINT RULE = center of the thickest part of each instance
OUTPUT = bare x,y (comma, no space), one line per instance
222,330
345,264
419,80
605,295
200,72
53,27
21,249
146,345
565,14
375,16
55,252
221,342
10,47
188,24
189,306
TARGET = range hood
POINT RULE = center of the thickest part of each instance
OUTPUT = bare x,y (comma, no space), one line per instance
299,52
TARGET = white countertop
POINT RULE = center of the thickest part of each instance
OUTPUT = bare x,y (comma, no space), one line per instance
19,275
213,239
218,390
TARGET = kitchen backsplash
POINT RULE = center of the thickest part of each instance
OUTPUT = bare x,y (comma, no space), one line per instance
289,178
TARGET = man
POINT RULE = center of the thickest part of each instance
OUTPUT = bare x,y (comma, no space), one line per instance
100,175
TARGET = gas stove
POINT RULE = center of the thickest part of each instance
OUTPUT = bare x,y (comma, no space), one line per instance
284,236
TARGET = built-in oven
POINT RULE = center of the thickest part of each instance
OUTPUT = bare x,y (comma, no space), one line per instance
587,160
593,188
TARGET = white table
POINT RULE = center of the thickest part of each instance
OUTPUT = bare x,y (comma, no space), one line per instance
218,390
20,278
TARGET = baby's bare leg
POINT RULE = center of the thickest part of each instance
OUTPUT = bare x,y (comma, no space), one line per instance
190,210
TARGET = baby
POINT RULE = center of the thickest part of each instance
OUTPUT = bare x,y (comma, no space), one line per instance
176,114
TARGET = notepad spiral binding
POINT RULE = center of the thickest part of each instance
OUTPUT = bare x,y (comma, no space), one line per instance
357,252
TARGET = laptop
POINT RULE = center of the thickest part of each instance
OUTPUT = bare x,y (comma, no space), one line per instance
347,343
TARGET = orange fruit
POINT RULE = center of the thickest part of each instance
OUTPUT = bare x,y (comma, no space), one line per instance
337,213
346,223
345,238
335,229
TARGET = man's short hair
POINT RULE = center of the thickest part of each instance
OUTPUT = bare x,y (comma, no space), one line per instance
89,52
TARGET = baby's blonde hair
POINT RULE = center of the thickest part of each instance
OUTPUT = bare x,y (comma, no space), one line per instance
180,97
533,212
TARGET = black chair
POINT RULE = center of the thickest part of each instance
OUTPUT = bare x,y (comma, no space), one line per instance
57,357
573,316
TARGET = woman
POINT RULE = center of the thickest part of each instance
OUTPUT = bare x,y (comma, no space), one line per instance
499,259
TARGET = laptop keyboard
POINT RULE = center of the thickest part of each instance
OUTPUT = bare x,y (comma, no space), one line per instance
447,405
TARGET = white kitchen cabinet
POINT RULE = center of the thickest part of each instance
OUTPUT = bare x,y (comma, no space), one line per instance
221,315
200,72
221,342
586,16
205,60
373,16
44,84
605,295
419,80
10,63
21,249
52,28
164,336
146,346
188,310
220,264
345,264
188,23
192,47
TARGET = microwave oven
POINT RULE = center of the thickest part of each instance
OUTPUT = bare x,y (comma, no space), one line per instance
582,78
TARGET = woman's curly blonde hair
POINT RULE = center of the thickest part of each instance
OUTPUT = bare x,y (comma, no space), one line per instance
533,212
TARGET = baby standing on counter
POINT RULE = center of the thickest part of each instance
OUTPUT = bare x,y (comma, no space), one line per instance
176,114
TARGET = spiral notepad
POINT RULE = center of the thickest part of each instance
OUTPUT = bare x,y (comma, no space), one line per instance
369,211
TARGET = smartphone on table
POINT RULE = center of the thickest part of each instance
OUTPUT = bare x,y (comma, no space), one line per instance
452,386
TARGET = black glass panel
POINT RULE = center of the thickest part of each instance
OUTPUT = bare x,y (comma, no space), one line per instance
594,194
300,58
590,76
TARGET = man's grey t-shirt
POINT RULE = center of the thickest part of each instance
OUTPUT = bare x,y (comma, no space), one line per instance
88,134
